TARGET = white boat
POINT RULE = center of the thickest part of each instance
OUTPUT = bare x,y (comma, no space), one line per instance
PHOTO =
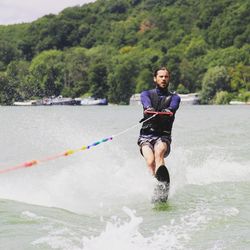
92,101
135,99
192,98
26,103
237,103
59,100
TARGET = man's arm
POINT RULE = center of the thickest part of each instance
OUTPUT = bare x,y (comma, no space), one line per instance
175,103
145,99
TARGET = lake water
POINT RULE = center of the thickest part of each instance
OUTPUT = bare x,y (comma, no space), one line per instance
99,199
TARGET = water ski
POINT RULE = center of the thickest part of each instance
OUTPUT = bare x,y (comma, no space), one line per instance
162,187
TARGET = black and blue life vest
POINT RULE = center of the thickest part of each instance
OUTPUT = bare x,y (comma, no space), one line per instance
161,124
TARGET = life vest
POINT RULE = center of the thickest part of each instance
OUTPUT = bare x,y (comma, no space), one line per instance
160,124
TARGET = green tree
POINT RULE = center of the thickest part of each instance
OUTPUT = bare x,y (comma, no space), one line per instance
231,23
8,53
196,47
229,56
172,61
6,95
144,80
8,90
240,77
215,79
181,89
98,80
188,75
244,96
17,73
75,72
222,97
46,70
121,81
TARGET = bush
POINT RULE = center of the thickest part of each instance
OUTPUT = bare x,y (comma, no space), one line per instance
244,96
222,97
182,89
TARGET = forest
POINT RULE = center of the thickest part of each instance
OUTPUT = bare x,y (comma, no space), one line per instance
109,49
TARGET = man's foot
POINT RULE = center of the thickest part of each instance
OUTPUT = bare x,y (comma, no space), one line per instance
160,192
162,187
162,174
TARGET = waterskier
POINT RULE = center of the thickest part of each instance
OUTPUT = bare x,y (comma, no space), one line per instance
155,135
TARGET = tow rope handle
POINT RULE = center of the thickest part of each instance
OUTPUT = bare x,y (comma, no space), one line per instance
169,113
154,114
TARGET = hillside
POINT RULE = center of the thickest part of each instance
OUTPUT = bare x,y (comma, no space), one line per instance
109,48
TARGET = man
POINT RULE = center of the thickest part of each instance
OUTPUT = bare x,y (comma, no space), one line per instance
155,135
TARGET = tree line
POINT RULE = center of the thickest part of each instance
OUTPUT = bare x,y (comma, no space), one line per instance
110,48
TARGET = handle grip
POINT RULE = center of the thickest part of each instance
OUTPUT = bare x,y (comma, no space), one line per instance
158,113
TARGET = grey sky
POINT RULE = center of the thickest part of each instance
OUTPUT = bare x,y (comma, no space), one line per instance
18,11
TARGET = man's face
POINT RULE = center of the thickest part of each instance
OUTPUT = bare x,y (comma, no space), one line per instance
162,79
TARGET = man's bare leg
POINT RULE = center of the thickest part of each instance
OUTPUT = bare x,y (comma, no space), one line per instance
148,154
159,151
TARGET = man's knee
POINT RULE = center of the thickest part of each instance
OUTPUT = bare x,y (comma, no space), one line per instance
160,150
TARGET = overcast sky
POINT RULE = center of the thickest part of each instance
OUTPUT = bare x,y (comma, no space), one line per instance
18,11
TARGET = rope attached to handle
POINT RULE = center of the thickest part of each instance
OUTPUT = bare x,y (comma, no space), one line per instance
32,163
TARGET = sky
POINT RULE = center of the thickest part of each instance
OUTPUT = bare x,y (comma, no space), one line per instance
19,11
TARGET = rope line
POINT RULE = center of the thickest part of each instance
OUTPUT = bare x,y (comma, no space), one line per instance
134,126
32,163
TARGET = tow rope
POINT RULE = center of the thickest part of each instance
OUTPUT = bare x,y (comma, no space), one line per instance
32,163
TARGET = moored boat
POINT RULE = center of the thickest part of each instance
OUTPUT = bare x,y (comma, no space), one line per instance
26,103
59,101
92,101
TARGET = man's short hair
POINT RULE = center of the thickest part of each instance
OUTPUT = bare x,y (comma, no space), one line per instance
161,68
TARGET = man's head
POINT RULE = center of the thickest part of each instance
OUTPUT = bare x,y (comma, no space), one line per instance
162,77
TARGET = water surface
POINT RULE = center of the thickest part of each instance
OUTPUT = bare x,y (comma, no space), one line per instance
100,198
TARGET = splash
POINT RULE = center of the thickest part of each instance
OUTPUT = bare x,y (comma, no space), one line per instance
119,235
188,167
175,231
218,170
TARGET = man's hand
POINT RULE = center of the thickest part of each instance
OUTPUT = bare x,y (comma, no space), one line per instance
170,113
148,112
150,109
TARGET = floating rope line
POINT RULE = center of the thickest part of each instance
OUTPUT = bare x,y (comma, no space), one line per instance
66,153
32,163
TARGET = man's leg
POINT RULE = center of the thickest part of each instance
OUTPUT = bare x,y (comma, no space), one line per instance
161,173
160,149
148,154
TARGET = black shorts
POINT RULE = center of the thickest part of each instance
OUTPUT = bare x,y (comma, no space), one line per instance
151,140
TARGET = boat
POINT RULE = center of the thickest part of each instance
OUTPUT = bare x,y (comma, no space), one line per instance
26,103
92,101
233,102
135,99
59,100
192,98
